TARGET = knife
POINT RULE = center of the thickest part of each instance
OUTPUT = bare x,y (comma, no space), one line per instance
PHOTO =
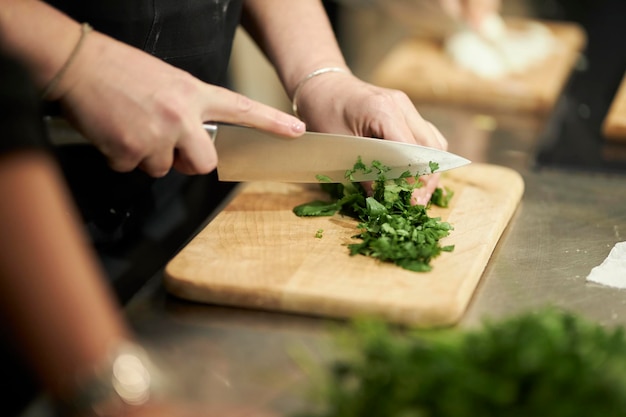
249,154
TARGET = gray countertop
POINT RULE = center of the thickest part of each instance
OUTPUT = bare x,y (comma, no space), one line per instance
566,224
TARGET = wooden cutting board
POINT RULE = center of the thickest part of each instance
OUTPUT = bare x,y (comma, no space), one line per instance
256,253
614,124
421,68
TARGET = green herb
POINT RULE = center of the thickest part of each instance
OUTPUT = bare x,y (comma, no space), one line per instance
547,363
319,233
441,197
316,208
323,178
391,228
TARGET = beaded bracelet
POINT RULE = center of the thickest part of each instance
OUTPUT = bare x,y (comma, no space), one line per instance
320,71
85,28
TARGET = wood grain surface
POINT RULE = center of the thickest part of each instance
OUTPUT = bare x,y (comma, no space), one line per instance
421,68
614,125
256,253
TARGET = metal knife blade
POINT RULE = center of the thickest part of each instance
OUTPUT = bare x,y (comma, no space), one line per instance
248,154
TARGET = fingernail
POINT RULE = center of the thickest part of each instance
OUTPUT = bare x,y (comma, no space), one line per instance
298,127
423,200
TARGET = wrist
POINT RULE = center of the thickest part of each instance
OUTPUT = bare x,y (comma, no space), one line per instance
51,90
308,80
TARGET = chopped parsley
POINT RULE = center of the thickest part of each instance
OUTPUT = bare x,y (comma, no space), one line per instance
391,228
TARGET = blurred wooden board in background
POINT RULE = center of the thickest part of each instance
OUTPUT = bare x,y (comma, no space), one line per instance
421,68
614,125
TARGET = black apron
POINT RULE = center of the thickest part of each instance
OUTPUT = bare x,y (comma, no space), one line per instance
194,35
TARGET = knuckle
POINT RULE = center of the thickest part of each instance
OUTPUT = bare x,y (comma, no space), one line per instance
184,84
157,170
119,164
381,106
381,102
128,148
125,152
244,104
172,103
171,111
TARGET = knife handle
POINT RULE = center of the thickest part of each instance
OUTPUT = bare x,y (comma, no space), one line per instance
211,129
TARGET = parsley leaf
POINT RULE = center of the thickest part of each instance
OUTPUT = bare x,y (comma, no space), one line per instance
316,208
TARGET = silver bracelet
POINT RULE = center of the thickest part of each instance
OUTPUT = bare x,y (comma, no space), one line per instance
320,71
127,379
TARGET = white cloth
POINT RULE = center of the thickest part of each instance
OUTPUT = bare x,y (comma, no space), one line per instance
611,272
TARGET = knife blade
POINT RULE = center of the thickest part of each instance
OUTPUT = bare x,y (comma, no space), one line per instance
249,154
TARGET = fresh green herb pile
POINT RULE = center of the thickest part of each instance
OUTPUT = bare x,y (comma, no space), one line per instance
549,363
391,228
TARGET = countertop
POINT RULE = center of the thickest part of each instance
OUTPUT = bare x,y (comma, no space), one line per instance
572,213
566,224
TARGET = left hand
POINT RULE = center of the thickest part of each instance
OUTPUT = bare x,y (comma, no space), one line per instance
341,103
472,12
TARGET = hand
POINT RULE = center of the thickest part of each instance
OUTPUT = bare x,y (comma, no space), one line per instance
141,112
342,103
471,12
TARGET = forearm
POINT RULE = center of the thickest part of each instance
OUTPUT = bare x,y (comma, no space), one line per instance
295,35
53,294
38,35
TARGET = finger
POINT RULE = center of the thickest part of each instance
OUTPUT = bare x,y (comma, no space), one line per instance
442,143
423,194
423,132
394,119
452,7
158,164
474,12
227,106
119,164
195,153
121,159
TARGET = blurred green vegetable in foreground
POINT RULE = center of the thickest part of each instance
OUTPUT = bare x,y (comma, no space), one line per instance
546,363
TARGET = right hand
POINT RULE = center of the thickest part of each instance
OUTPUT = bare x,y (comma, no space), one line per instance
142,112
344,104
